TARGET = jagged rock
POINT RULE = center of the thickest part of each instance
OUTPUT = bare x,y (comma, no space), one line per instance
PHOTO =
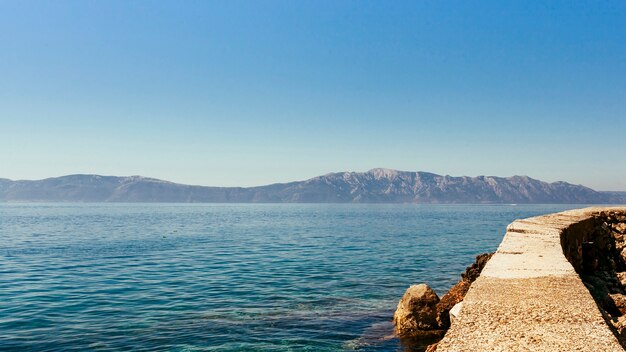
416,311
620,302
620,244
449,300
619,326
458,291
604,269
473,271
622,278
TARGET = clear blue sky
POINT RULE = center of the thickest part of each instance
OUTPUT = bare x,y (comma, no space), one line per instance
253,92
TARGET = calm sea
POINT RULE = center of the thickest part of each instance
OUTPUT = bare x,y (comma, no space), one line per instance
156,277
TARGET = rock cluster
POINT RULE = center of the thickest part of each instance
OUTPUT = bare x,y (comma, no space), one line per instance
421,318
458,291
604,269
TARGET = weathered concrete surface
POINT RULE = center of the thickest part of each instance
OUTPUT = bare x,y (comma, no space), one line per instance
529,297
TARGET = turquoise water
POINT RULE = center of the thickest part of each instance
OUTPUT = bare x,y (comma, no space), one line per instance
155,277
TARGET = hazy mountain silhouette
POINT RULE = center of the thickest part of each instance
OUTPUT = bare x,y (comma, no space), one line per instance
374,186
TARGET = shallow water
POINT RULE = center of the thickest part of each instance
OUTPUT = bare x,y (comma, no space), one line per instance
288,277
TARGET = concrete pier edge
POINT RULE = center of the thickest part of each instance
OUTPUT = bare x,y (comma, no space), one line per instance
529,297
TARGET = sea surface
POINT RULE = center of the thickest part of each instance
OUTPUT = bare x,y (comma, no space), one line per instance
288,277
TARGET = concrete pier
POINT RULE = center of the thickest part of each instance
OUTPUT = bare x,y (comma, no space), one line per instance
529,296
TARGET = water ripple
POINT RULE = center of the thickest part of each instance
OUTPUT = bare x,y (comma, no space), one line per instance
80,277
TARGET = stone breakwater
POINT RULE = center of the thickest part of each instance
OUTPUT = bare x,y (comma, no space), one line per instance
603,269
556,283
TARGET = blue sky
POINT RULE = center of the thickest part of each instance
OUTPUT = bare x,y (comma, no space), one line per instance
252,92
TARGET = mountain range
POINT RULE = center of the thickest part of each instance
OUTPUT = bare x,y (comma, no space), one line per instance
373,186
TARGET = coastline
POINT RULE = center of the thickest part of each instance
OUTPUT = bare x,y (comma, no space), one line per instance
531,294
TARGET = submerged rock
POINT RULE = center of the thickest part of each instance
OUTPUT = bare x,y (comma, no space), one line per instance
416,313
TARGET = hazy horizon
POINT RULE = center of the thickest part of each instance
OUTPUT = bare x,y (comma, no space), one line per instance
253,93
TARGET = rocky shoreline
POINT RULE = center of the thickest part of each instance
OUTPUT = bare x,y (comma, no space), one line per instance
604,269
549,267
422,318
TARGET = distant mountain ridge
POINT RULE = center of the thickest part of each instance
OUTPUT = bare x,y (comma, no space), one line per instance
373,186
